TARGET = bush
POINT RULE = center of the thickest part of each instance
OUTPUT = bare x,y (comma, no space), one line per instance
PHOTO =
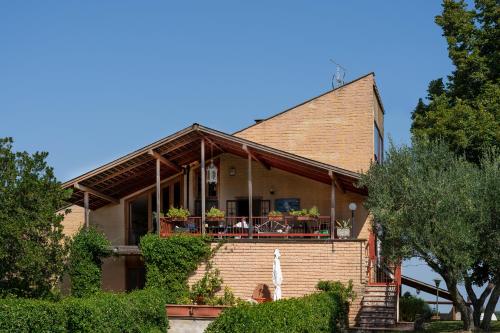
319,312
88,247
410,307
139,311
170,261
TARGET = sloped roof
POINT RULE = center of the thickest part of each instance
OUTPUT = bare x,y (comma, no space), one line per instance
136,170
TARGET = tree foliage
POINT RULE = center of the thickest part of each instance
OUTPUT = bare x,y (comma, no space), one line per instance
438,207
88,248
466,111
32,246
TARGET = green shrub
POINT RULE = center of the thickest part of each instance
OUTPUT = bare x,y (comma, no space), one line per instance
170,261
31,315
319,312
139,311
410,307
87,249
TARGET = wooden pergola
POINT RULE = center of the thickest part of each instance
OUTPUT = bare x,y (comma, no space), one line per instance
174,154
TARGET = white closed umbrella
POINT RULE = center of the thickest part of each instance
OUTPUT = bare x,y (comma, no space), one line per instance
277,275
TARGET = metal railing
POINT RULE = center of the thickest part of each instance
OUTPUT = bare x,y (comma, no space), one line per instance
261,227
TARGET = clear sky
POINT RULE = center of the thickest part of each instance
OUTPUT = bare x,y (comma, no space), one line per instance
89,81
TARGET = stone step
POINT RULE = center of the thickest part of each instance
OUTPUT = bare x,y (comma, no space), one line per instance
381,293
378,303
377,322
380,287
378,309
385,315
373,296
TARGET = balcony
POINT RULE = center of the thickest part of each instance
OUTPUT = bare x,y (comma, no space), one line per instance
239,227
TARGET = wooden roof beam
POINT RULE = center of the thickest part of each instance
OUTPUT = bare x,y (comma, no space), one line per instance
263,163
335,180
96,193
164,160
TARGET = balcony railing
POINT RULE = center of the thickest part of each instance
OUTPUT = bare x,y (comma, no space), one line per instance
262,227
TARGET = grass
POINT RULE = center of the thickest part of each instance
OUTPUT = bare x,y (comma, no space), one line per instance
452,326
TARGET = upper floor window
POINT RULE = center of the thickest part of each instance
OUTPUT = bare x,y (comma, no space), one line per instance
378,148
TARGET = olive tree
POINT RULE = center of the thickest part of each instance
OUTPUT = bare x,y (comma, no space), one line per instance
436,206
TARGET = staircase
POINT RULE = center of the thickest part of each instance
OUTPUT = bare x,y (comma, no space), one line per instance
378,307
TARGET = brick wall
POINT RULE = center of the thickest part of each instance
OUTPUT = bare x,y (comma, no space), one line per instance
245,264
335,128
73,221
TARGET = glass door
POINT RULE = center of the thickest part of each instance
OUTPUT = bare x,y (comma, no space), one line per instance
138,218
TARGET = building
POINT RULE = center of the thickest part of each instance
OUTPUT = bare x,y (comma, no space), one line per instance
309,155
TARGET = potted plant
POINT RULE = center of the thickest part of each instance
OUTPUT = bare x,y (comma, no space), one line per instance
344,228
168,220
177,214
306,214
215,215
275,215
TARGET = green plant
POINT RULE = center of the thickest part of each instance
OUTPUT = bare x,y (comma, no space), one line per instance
170,261
204,290
33,243
410,307
138,311
215,213
177,213
318,312
87,249
275,213
346,295
313,212
344,223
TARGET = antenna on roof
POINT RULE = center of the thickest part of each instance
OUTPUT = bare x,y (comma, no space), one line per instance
338,77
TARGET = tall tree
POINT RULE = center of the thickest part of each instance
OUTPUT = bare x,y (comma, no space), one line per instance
466,112
436,206
32,246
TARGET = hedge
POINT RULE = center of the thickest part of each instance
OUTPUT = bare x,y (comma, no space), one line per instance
320,312
138,311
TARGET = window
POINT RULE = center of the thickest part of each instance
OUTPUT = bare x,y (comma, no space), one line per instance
378,148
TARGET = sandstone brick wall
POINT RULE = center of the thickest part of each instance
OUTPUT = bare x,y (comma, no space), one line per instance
243,265
73,221
335,128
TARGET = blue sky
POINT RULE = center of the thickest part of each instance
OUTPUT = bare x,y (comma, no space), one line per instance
89,81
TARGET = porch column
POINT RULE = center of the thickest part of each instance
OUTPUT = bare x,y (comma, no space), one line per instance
332,206
186,187
87,210
203,194
158,200
250,198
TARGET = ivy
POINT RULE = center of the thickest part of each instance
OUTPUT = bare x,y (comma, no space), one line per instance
88,248
170,261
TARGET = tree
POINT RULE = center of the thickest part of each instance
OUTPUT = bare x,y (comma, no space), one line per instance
436,206
466,112
32,247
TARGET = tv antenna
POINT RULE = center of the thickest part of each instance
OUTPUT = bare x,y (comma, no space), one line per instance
339,76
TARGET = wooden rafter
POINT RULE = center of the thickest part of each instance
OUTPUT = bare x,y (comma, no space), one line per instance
254,157
336,181
164,161
96,193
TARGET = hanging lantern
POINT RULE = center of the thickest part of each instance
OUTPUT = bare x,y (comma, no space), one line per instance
212,173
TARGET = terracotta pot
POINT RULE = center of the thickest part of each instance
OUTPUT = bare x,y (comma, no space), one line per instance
275,218
304,218
178,310
207,311
262,299
194,311
215,219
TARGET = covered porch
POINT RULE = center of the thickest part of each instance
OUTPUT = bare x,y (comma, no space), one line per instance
199,168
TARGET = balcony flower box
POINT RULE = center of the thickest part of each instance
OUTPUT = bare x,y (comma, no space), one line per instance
275,216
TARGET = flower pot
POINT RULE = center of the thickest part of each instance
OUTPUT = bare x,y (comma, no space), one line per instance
214,219
194,311
304,218
275,218
344,232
